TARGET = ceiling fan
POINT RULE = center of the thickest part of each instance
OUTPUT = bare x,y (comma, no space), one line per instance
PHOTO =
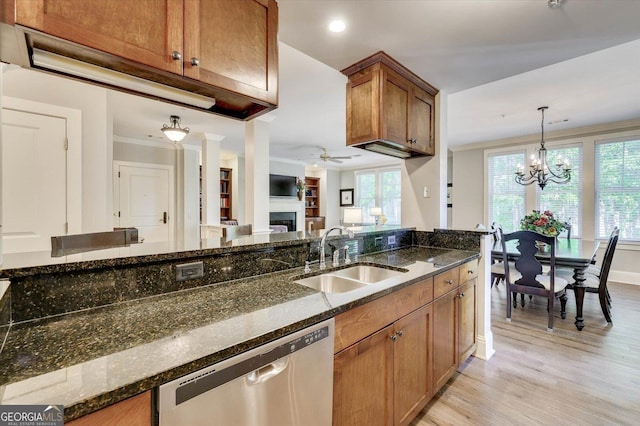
324,156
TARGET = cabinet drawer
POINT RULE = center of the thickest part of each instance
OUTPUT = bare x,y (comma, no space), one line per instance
362,321
445,282
468,271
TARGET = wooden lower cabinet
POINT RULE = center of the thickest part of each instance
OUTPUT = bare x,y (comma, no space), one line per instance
445,338
412,364
454,324
385,379
135,411
467,313
363,382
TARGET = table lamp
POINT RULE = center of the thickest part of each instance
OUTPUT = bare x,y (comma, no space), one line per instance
376,212
352,215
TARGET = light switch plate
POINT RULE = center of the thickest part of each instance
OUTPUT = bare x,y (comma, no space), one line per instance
189,271
391,239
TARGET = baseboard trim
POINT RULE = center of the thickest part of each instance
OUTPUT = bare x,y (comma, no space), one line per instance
625,277
484,347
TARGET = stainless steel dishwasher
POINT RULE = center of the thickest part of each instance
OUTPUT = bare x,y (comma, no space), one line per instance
285,382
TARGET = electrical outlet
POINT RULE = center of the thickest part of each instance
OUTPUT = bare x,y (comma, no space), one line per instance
391,239
189,271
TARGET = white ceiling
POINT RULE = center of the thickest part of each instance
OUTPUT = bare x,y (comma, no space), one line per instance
498,60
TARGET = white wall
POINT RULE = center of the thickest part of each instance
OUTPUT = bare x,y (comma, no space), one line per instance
96,135
427,213
469,190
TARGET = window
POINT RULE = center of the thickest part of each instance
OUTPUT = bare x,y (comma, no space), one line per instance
379,188
565,201
617,185
506,199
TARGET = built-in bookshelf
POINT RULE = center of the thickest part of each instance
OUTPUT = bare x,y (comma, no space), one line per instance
312,197
225,193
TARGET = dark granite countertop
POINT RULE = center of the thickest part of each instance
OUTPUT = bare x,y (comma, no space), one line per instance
31,263
88,360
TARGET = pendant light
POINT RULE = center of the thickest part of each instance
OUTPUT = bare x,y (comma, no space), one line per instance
175,133
540,171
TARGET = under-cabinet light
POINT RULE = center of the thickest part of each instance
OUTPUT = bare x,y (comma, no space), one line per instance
52,61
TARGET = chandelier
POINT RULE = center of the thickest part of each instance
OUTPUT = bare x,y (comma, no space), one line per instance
175,133
540,171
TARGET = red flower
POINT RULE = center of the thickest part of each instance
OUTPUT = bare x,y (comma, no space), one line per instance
541,221
548,213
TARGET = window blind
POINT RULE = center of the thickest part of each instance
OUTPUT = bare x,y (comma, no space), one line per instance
506,198
565,200
617,185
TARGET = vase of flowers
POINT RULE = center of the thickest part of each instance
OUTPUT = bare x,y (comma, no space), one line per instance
300,186
543,223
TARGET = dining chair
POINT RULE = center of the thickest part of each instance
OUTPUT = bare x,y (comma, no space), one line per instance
233,232
567,226
596,278
530,278
497,267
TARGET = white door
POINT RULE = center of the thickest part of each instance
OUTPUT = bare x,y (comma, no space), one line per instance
145,201
34,180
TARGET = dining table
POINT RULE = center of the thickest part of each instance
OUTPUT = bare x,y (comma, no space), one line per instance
572,253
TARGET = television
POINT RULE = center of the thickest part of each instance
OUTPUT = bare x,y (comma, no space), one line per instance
282,186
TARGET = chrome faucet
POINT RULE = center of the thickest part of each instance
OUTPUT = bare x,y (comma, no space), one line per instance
323,264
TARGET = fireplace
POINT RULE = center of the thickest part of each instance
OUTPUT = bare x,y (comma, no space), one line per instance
283,218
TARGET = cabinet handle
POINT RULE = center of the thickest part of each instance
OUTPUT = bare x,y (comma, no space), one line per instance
399,333
393,337
449,282
470,271
175,55
461,295
195,62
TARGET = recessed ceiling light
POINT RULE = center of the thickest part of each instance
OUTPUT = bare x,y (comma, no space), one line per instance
554,4
337,26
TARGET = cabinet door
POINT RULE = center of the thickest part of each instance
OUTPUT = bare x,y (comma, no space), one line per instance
135,411
467,329
395,107
144,31
412,364
445,338
234,48
363,108
421,121
363,382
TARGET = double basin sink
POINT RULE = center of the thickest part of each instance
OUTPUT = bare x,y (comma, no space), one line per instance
349,279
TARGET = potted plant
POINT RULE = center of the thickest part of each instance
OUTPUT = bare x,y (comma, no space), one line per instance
301,186
542,222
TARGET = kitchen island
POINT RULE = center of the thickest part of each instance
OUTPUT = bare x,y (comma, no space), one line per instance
89,359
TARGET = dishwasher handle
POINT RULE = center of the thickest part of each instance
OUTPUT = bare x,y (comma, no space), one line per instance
267,372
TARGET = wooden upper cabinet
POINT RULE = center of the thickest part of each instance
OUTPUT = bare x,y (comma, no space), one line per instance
220,49
363,100
234,48
389,105
148,33
394,107
422,122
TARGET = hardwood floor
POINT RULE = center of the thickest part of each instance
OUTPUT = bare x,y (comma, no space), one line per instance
566,377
